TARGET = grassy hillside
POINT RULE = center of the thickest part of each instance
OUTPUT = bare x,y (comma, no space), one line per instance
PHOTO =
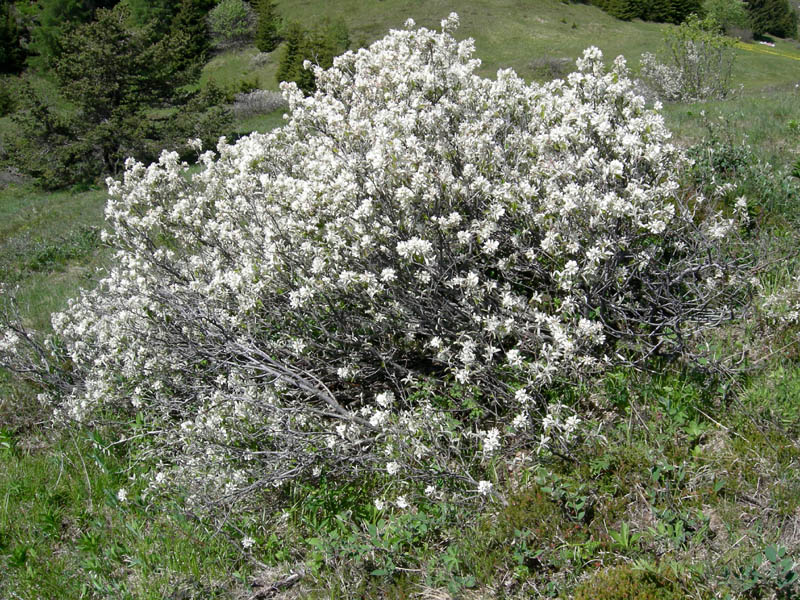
516,34
693,492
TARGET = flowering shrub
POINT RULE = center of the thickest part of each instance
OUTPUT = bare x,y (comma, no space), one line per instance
257,102
389,282
699,63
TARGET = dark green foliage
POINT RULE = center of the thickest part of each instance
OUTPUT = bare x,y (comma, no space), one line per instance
660,11
107,65
116,76
12,55
56,18
158,13
46,148
730,14
774,17
319,45
295,37
190,33
7,95
230,22
267,26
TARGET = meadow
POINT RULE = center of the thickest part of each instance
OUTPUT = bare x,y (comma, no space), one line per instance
691,489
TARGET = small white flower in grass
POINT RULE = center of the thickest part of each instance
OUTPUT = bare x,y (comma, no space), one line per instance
248,542
401,502
544,441
122,495
379,504
393,468
484,487
430,491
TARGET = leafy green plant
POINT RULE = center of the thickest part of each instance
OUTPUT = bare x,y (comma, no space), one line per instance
525,554
124,84
231,22
727,167
8,100
624,539
19,556
771,571
574,498
697,63
8,441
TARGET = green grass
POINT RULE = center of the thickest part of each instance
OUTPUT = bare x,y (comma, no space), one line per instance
229,69
769,121
515,33
260,123
507,33
49,246
78,540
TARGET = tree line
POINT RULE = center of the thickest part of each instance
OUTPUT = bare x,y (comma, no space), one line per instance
763,17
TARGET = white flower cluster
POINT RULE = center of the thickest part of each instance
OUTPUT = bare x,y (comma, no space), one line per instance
558,430
782,307
411,225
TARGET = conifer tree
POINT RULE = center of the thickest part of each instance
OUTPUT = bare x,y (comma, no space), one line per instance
158,13
12,56
319,45
296,40
268,26
772,17
190,32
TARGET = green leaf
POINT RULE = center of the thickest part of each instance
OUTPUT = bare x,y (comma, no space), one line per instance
771,553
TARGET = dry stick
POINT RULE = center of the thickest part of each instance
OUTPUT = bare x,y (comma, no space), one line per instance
85,470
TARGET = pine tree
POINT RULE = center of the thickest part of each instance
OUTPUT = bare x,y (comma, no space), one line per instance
158,13
55,19
190,32
268,26
319,45
772,17
296,40
12,56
